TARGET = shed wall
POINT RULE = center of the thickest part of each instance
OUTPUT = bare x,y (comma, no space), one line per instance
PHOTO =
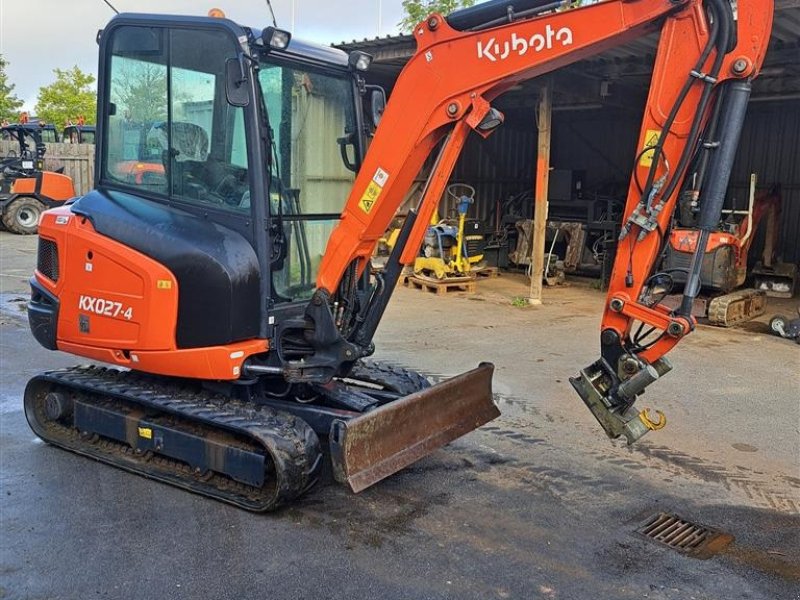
603,144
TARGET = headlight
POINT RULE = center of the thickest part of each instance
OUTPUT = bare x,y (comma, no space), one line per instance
277,39
360,61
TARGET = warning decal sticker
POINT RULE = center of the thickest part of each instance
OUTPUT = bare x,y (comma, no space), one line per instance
650,140
373,191
370,197
380,177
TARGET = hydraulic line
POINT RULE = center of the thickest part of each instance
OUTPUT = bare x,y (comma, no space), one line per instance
658,148
719,37
688,152
379,300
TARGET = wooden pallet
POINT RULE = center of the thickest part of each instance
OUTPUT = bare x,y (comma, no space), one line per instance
487,272
462,284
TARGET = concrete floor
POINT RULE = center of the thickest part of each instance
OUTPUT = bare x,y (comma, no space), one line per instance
537,504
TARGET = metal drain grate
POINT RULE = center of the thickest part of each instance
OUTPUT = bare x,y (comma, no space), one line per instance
684,536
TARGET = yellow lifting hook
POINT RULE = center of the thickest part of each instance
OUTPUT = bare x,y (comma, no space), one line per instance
653,425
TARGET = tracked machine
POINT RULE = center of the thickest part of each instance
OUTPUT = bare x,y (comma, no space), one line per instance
231,295
725,263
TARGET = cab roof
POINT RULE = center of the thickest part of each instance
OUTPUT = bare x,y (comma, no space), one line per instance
298,49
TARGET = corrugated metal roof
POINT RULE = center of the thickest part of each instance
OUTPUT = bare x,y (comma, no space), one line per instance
632,62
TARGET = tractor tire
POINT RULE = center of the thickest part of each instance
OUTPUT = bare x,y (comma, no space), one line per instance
22,215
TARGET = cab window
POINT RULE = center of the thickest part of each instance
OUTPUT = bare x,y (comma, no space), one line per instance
170,132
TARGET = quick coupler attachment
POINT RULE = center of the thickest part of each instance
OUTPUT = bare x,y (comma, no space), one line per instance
611,399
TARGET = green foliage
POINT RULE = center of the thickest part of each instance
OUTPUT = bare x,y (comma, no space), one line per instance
9,103
417,10
70,96
519,301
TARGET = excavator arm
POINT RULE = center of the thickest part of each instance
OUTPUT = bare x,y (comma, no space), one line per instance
708,53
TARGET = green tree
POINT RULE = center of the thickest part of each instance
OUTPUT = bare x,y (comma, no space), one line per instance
417,10
70,96
9,103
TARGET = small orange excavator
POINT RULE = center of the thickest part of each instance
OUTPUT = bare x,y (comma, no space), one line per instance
726,258
232,293
26,189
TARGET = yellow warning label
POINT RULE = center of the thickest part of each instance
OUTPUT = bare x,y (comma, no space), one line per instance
370,197
650,140
146,433
164,284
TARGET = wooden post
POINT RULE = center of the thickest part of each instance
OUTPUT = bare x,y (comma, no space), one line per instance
540,204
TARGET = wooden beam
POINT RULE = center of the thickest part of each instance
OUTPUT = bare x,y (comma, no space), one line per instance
545,121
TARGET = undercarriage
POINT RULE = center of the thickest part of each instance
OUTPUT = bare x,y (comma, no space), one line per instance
243,445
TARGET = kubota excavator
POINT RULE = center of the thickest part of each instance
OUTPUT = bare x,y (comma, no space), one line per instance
233,289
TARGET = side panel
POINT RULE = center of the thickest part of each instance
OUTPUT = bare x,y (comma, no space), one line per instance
111,296
51,186
24,185
119,306
56,186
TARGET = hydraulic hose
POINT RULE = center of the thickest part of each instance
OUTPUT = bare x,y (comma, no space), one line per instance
658,149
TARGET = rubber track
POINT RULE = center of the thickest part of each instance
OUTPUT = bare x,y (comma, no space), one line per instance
291,443
396,379
719,309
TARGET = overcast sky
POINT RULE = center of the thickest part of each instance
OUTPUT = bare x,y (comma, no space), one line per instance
37,36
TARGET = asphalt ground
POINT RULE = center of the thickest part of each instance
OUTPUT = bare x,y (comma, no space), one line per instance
537,504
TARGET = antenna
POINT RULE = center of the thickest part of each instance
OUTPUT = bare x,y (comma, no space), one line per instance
272,12
111,6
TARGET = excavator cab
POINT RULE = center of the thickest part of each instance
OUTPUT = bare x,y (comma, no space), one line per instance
243,132
209,133
78,134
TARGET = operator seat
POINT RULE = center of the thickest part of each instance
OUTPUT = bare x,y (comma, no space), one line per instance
190,153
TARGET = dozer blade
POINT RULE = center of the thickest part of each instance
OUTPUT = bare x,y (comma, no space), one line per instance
369,448
778,281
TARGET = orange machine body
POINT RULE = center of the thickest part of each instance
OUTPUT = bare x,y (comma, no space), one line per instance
461,73
731,247
119,306
148,280
47,185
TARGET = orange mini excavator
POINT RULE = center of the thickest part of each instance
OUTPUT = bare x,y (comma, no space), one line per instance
726,257
233,290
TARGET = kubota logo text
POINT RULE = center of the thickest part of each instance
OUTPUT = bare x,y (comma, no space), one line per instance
492,49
